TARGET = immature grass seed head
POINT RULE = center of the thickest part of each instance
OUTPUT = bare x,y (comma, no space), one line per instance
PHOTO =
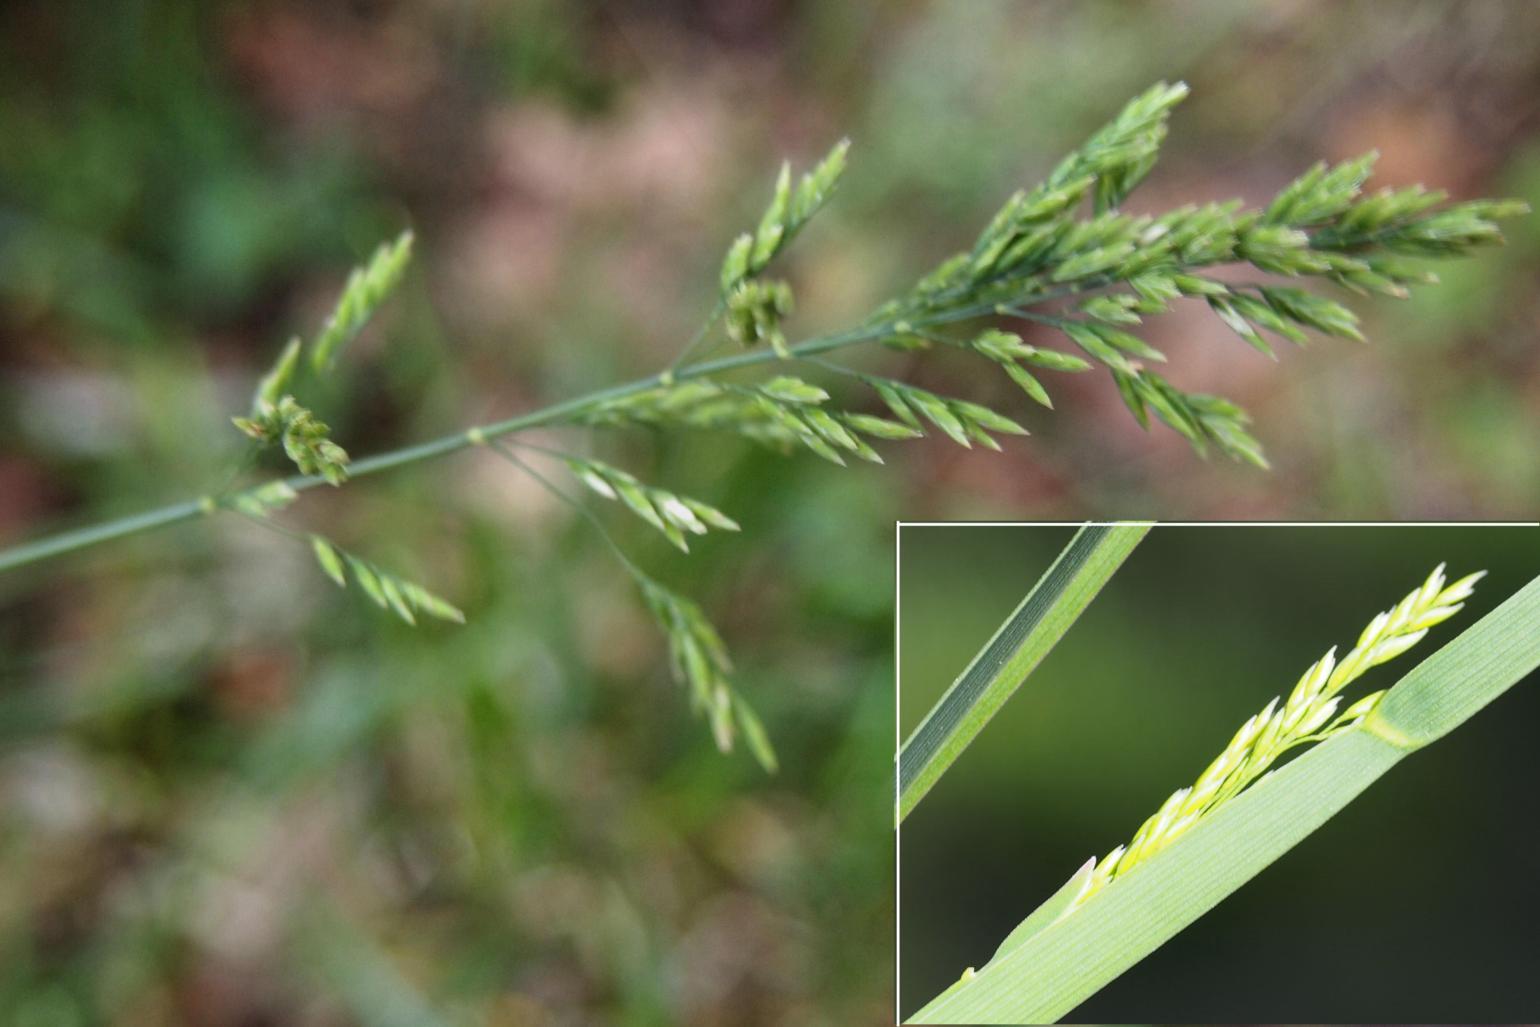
1060,254
1309,715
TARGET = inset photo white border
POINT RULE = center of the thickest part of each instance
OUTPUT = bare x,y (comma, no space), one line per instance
1513,578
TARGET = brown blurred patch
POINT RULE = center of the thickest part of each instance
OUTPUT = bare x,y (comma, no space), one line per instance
1420,139
26,493
736,961
310,64
249,685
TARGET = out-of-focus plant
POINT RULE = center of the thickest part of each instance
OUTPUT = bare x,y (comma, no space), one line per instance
1061,254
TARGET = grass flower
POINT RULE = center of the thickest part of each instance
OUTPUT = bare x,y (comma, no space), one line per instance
1310,714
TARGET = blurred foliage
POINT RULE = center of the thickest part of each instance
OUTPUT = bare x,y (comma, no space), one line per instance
1200,628
234,794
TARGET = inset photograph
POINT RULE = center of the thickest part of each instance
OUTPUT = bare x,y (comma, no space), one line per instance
1217,773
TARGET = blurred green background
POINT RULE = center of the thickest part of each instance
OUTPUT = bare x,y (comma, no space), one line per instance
1196,632
233,794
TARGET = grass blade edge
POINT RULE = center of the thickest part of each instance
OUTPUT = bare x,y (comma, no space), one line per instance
1027,635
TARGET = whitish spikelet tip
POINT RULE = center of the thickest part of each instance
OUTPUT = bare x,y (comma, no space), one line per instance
1373,631
1432,585
1322,714
1462,589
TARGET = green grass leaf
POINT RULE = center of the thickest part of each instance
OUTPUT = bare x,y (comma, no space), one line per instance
1058,598
1045,976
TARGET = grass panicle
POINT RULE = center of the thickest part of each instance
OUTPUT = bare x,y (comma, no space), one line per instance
1061,256
1312,713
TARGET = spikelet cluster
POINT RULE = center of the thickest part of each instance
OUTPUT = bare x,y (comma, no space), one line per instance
754,313
673,515
276,415
785,412
1037,248
367,287
1063,254
1309,714
700,662
305,437
404,598
789,209
754,307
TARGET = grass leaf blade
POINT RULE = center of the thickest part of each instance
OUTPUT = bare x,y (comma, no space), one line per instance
1036,625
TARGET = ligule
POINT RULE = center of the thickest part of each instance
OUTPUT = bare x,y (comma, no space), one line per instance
1312,713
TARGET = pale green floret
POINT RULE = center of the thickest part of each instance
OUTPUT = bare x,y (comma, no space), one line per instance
1104,870
1309,715
787,212
1319,716
367,287
260,501
402,597
670,514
